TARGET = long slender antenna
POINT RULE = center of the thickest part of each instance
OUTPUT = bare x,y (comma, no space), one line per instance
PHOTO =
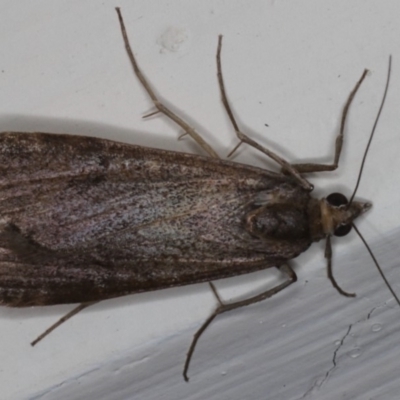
376,263
373,130
359,179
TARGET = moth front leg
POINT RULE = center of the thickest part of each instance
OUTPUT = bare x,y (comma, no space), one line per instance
222,308
157,103
304,168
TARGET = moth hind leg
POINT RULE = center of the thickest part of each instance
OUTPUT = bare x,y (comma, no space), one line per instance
63,319
222,308
157,103
243,138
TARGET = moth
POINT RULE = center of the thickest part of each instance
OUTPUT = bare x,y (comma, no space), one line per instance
84,219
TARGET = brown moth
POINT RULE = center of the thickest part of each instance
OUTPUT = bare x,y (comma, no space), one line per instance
85,219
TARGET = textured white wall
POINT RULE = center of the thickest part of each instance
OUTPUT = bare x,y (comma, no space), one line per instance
290,65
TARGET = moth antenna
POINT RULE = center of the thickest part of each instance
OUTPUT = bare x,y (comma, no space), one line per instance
376,263
373,130
359,179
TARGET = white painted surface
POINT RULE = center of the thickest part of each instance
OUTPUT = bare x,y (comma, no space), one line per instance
290,65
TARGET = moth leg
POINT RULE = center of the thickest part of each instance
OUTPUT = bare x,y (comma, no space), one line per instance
287,167
232,306
66,317
157,103
304,168
328,256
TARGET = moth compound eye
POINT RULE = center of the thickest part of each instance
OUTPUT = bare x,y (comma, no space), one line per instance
342,230
337,200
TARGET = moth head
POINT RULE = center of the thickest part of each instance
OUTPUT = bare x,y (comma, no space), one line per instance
337,214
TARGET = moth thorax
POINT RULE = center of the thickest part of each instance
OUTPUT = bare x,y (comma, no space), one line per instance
279,221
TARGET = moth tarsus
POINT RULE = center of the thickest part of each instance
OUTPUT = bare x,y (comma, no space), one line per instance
86,219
